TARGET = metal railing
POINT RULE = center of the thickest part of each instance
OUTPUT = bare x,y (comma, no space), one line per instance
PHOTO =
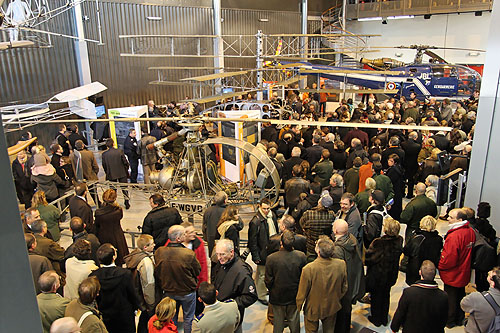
414,7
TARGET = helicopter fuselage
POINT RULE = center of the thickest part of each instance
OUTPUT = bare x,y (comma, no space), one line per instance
425,80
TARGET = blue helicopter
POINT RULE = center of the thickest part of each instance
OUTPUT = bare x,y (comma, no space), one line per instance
437,79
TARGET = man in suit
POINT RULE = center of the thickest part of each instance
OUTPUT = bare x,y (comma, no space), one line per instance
115,165
48,248
223,317
74,136
314,152
211,218
39,264
85,166
62,140
78,206
322,285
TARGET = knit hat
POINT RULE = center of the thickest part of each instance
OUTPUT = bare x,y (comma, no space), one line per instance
378,196
41,159
326,200
483,210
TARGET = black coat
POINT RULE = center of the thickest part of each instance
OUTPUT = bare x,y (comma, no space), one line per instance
422,308
484,227
442,142
94,245
373,227
73,137
303,206
130,148
157,222
382,261
410,164
21,177
79,207
233,280
211,218
339,159
269,133
117,299
396,174
258,237
422,245
115,164
392,150
283,269
288,166
313,154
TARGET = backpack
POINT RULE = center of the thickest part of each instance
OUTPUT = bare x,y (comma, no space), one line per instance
494,326
484,256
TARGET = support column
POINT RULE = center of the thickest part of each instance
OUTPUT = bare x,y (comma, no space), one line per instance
82,57
18,301
218,44
483,170
260,64
82,54
303,39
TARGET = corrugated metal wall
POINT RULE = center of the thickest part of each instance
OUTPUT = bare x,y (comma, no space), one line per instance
127,78
246,22
31,75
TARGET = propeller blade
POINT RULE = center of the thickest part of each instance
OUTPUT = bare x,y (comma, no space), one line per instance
435,56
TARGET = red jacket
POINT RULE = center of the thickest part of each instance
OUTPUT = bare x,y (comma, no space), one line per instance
455,262
199,251
168,328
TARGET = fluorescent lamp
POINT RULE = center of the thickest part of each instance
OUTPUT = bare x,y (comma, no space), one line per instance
399,54
370,19
154,18
263,20
400,17
473,54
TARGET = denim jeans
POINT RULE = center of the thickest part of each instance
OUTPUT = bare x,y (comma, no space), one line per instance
188,303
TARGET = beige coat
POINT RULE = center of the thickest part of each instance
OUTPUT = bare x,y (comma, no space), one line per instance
322,284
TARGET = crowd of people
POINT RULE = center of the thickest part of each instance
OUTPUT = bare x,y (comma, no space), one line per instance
336,241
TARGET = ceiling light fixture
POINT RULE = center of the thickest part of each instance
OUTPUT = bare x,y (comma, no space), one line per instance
370,19
263,20
153,18
402,17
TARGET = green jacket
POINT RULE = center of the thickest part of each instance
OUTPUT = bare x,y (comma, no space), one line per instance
362,201
384,184
91,324
351,180
51,215
51,307
323,170
416,209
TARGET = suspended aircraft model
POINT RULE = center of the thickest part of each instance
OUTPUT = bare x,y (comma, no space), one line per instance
437,78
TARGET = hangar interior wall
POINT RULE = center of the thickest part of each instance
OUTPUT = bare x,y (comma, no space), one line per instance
450,30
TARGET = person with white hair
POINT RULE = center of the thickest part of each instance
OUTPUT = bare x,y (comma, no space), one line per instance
233,278
65,325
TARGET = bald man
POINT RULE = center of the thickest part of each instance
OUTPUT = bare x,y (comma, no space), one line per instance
346,248
416,209
64,325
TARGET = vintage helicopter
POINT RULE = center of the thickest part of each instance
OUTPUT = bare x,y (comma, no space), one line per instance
437,78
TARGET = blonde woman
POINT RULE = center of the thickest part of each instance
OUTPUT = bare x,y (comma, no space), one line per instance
382,261
229,227
162,322
49,213
424,244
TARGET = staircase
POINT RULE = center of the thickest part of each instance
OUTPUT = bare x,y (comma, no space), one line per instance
350,46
